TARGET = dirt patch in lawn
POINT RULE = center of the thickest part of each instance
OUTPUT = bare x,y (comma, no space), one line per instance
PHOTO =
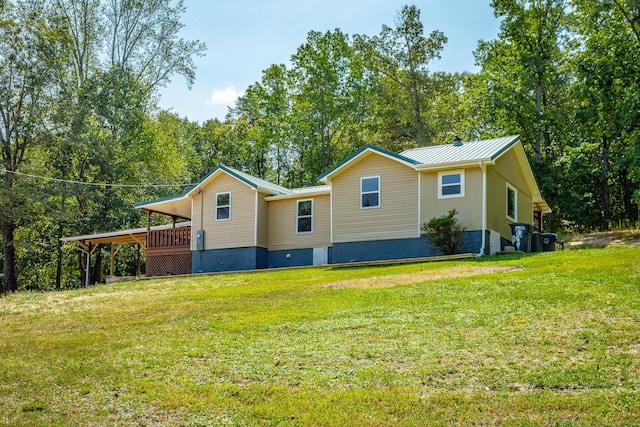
417,277
604,239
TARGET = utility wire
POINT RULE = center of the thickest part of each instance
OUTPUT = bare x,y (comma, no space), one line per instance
94,184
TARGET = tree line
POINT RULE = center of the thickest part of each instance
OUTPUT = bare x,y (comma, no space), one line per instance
82,137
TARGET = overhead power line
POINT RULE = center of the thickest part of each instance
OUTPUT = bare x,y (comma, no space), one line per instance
93,184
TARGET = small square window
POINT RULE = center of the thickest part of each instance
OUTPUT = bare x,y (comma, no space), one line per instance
304,216
223,206
370,192
450,184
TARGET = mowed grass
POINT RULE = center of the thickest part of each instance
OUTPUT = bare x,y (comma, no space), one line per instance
544,339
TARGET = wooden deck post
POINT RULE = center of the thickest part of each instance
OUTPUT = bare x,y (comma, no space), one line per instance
138,261
88,272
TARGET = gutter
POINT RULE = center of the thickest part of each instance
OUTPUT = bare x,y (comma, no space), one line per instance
484,209
453,165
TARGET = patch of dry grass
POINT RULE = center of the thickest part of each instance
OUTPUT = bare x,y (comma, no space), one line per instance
419,277
603,239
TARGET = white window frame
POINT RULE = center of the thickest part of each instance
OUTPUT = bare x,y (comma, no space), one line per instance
513,218
362,193
441,186
223,206
298,216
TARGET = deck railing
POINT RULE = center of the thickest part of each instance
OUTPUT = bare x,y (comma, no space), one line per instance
169,238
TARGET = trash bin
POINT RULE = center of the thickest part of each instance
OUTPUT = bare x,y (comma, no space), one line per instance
536,242
521,236
548,241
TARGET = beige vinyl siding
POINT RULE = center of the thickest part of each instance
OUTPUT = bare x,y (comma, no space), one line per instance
397,216
196,219
237,232
506,169
282,224
263,221
469,207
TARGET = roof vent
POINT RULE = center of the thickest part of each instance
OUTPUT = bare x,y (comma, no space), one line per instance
457,142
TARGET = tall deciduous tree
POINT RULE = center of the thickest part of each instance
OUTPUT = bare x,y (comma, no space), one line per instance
328,102
267,104
31,50
402,54
144,37
122,51
525,65
526,71
608,79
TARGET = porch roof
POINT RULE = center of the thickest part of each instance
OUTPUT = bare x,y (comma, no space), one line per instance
135,235
176,206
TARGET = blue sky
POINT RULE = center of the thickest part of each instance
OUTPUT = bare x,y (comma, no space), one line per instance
244,37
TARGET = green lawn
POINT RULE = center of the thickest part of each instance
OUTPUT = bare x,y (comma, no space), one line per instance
545,339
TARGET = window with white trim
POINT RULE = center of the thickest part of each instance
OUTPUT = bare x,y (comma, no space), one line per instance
370,192
304,216
223,206
451,184
512,203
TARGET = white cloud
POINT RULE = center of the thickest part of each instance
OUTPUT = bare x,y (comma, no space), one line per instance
226,96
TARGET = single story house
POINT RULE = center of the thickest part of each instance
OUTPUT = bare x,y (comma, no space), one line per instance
371,207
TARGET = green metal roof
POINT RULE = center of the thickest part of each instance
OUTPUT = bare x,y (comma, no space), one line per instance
250,180
174,205
486,150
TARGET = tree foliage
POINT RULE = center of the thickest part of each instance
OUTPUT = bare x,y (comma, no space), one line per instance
77,105
400,56
30,42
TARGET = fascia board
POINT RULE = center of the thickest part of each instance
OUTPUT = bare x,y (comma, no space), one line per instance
298,195
454,165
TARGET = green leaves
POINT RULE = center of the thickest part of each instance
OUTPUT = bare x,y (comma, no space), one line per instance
445,232
401,55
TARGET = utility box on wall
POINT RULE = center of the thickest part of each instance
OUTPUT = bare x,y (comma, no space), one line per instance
200,240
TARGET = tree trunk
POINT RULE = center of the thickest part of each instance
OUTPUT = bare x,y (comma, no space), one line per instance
96,273
627,194
82,263
59,247
59,258
605,182
417,111
10,280
538,121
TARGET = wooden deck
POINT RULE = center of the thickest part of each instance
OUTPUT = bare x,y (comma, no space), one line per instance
169,251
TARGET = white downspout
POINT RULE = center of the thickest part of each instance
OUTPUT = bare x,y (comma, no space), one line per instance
484,209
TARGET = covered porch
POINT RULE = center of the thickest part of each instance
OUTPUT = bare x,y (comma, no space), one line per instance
167,247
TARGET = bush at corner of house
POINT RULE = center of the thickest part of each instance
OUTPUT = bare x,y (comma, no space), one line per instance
445,232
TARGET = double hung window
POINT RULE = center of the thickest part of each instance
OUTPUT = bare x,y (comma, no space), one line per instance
304,216
223,206
370,192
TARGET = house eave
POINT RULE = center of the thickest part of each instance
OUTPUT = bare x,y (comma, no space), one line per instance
368,149
298,195
179,206
454,165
